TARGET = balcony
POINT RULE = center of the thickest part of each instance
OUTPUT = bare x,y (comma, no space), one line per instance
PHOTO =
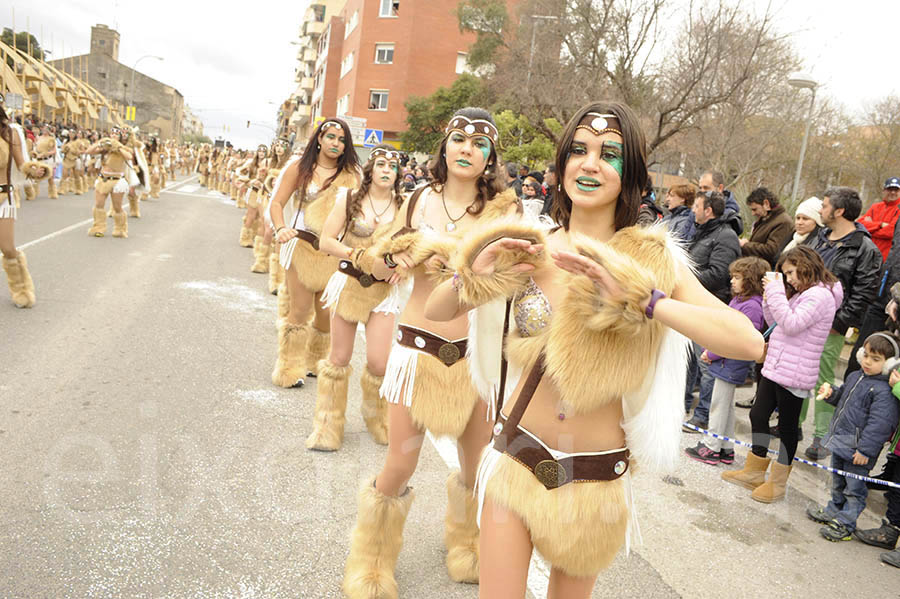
313,28
309,55
307,83
300,116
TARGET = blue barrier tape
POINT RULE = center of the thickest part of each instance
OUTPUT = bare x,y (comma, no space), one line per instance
796,459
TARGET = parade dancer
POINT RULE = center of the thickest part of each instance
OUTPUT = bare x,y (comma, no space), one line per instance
202,166
328,163
154,160
356,295
45,152
137,175
114,151
14,168
427,381
598,314
255,169
279,156
70,151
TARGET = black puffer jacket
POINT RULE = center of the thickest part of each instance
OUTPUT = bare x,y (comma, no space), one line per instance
856,263
889,273
714,247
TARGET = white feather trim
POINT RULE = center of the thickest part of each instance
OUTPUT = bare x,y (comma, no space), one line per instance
487,465
121,186
17,177
396,300
400,375
8,210
485,350
333,289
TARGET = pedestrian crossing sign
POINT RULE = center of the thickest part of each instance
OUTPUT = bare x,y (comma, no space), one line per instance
373,137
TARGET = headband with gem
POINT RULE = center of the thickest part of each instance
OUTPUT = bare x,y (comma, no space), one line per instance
471,128
262,147
598,124
384,153
328,124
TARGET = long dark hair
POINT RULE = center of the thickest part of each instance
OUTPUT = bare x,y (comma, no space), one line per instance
810,269
356,198
634,172
5,129
307,165
488,183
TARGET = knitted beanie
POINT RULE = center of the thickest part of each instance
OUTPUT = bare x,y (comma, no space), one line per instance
811,208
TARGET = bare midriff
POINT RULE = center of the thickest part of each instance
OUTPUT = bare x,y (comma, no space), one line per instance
414,313
113,164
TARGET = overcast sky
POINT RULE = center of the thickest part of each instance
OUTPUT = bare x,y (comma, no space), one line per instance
230,63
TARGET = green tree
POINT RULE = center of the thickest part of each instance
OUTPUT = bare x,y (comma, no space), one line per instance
22,38
427,116
522,143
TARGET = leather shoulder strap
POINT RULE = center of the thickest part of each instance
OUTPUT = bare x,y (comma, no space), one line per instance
504,366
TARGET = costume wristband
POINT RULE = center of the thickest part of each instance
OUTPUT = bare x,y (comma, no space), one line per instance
655,296
389,261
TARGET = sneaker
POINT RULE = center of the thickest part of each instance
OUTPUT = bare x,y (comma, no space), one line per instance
817,514
884,537
835,532
696,422
704,454
726,457
817,451
891,557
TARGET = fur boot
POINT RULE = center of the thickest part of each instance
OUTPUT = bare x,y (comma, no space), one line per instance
21,287
461,531
120,224
52,191
284,301
375,544
134,207
275,274
331,405
246,239
316,349
65,186
82,184
374,407
752,475
261,256
291,362
773,489
30,192
98,229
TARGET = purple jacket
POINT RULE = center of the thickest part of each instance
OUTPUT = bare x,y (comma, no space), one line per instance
803,323
735,371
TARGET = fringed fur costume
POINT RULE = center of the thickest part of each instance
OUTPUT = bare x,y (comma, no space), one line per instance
589,344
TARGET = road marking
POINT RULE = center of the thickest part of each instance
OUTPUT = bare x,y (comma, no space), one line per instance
539,569
82,223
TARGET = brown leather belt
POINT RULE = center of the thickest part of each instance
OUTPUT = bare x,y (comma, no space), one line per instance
256,187
549,471
309,237
110,177
365,279
448,352
6,188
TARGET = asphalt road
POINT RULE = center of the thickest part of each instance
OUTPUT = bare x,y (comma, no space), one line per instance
145,453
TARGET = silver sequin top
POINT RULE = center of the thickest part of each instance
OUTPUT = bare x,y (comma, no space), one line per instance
531,310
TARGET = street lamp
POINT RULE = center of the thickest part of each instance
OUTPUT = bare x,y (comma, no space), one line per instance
803,81
534,19
133,70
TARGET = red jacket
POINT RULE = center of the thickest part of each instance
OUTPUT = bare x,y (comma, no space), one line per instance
881,213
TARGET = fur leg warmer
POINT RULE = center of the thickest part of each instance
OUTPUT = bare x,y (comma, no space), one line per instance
317,349
120,224
261,256
274,275
461,531
291,363
331,405
52,191
98,229
21,287
30,192
284,301
246,239
374,407
375,544
134,208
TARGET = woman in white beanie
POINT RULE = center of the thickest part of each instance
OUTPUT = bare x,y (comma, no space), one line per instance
807,223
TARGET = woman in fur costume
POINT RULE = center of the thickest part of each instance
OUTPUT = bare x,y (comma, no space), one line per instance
115,152
598,315
266,254
427,382
356,222
328,163
254,170
14,169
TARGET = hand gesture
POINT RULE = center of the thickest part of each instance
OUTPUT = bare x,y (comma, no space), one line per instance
285,235
582,265
859,459
435,263
705,357
403,260
485,262
824,391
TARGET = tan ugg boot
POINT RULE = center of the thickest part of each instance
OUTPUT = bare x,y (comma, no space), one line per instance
331,405
98,229
374,407
246,238
261,256
773,489
52,191
274,267
752,475
375,544
291,363
461,531
316,349
120,224
134,207
30,192
21,287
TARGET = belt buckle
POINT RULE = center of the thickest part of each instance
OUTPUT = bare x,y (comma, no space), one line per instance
449,354
367,280
550,473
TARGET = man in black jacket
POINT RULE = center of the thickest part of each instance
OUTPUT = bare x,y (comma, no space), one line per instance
715,181
849,253
714,247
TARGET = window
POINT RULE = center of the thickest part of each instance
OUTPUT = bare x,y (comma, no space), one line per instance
102,42
102,74
389,8
347,64
343,105
384,53
351,24
378,99
462,63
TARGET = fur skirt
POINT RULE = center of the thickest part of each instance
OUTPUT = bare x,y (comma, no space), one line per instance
578,527
313,267
440,398
113,186
353,302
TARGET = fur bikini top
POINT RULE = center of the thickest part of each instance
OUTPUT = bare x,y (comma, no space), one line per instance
589,341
